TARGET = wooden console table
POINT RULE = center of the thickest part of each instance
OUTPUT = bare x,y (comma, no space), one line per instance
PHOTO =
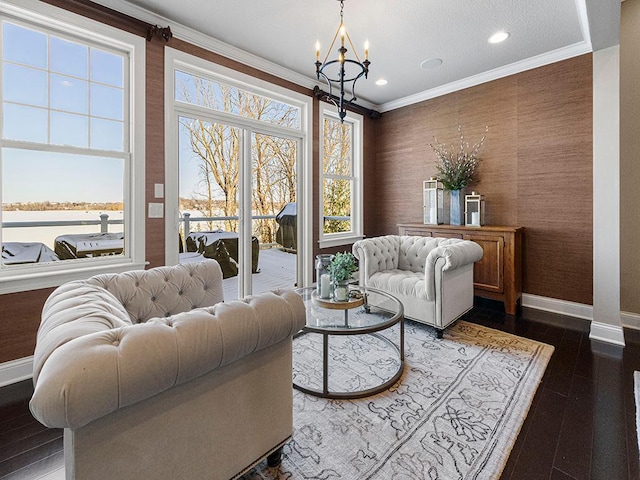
499,274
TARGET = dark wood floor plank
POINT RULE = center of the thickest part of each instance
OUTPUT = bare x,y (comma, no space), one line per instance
31,456
535,461
44,436
609,455
573,455
558,475
39,468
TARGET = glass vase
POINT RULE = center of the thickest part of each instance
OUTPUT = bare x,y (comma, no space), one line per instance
455,207
323,277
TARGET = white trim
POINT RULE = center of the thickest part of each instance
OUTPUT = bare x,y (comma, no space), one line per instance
357,176
484,77
64,23
209,43
15,371
607,333
176,59
554,305
630,320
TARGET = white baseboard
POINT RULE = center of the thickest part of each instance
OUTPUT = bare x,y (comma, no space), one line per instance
563,307
607,333
630,320
16,371
599,331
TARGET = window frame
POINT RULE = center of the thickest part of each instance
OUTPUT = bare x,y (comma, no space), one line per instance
191,64
67,25
327,240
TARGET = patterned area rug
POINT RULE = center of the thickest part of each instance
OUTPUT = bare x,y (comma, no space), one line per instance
454,414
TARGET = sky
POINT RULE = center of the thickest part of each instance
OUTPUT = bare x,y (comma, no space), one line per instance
60,92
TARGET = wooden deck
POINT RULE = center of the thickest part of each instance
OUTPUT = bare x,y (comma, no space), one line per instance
277,270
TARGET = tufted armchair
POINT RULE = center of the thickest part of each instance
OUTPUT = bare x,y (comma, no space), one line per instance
152,376
432,277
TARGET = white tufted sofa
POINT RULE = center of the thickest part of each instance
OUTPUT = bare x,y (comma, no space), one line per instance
432,277
152,377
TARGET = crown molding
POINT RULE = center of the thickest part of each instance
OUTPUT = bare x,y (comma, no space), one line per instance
517,67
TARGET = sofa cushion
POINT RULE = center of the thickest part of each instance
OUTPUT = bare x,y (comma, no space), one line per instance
400,282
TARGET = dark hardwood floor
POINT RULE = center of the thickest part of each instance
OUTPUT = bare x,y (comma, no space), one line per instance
581,424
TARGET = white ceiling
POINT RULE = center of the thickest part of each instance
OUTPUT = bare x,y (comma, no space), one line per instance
401,35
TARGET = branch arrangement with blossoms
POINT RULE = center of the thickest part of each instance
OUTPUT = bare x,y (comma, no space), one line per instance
456,168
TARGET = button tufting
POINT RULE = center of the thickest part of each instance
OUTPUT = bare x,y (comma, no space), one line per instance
153,299
115,343
180,292
137,284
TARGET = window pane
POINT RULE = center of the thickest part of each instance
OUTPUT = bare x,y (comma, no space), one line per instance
69,94
28,124
225,98
337,147
107,102
23,45
107,135
337,205
209,162
69,57
69,129
107,68
67,187
24,85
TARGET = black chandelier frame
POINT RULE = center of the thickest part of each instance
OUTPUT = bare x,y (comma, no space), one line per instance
341,80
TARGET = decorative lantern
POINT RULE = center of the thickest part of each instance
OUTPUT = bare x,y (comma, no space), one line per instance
433,202
474,210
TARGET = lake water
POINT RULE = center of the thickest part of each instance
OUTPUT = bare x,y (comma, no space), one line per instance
47,235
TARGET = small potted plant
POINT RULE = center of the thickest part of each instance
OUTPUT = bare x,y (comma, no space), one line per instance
341,268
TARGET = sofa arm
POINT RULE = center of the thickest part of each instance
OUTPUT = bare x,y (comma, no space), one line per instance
448,257
96,374
376,255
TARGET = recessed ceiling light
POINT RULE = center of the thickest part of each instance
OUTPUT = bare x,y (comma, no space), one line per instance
381,82
431,63
498,37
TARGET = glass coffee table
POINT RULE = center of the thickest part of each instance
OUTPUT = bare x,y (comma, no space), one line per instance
366,353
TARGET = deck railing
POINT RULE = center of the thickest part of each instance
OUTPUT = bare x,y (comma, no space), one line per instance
104,223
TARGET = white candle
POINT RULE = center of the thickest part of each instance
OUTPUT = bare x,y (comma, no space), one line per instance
325,285
475,218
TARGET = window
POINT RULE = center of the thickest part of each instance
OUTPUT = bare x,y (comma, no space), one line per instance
71,164
237,153
340,178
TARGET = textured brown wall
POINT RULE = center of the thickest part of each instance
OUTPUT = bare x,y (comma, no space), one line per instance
536,170
629,157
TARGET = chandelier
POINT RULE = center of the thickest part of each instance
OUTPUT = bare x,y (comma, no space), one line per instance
342,72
